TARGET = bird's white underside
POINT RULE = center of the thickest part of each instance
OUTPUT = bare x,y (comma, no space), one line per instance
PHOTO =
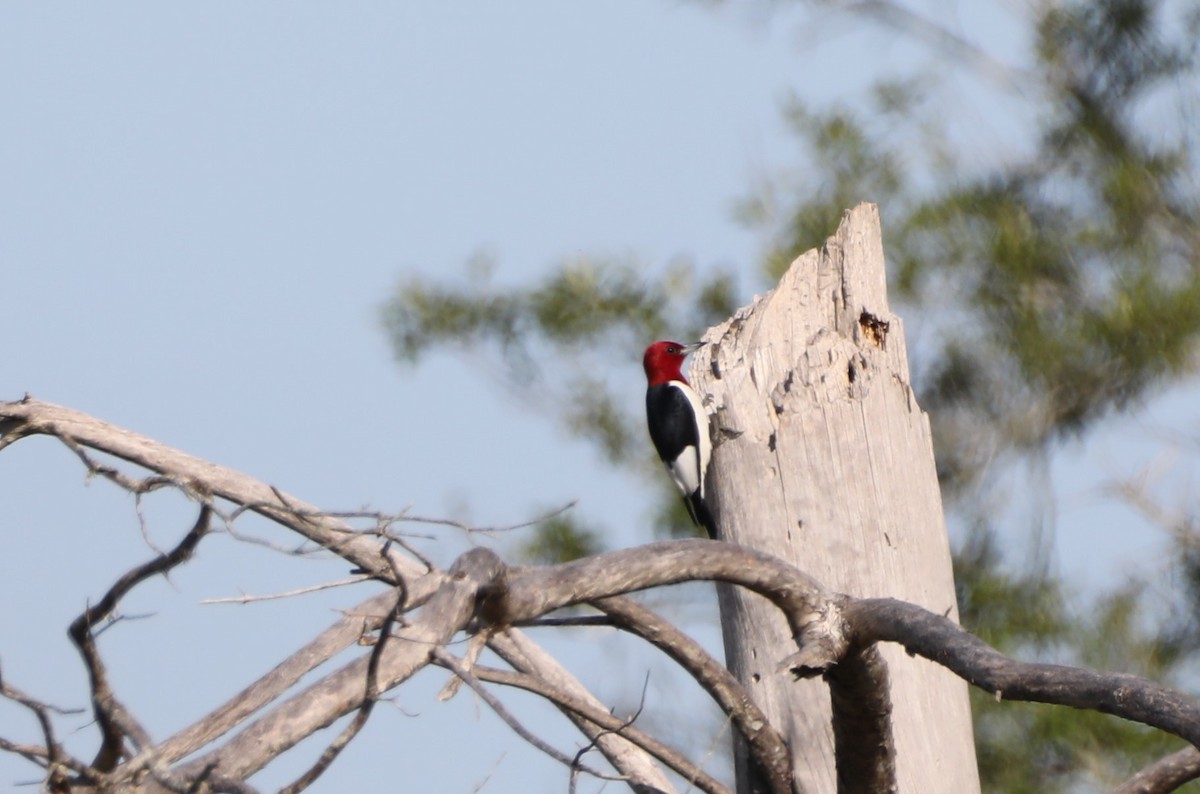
689,468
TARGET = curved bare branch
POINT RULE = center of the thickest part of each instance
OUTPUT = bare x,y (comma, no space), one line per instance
762,739
527,593
115,721
1164,775
29,417
943,641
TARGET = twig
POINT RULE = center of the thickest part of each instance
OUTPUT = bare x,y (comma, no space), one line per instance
247,599
305,549
114,475
475,645
34,753
448,661
495,530
384,521
55,757
594,742
51,751
487,778
606,721
580,621
142,524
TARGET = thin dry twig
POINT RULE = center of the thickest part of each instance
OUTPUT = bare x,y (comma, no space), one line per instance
450,663
525,656
594,742
488,777
51,757
606,722
494,530
135,486
248,599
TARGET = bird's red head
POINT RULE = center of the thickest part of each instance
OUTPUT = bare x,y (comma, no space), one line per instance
663,361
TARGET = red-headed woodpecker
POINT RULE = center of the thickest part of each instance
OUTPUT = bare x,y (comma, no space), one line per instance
679,426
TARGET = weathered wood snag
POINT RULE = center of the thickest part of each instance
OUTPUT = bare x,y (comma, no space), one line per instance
824,459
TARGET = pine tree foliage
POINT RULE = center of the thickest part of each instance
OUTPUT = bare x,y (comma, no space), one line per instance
1065,282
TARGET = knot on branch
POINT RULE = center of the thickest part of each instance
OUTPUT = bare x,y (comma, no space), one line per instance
485,568
821,636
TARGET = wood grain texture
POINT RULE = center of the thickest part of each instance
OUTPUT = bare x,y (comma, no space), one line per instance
824,459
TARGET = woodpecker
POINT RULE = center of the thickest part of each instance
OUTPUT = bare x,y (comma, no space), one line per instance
679,426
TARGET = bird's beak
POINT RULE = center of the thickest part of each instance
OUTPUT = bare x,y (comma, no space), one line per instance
692,348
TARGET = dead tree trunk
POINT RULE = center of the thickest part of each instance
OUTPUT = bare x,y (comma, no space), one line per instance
824,459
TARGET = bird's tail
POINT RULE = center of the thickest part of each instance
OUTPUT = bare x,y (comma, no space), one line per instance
699,513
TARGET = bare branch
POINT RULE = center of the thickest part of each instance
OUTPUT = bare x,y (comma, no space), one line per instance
495,530
1165,774
35,753
834,635
78,430
607,721
370,697
629,759
384,521
344,690
450,663
114,719
864,748
943,641
367,616
577,762
138,487
248,599
55,758
762,739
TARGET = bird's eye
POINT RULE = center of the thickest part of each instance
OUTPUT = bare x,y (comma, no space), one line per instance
672,349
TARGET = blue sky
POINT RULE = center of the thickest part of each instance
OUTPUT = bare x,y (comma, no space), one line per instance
202,208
